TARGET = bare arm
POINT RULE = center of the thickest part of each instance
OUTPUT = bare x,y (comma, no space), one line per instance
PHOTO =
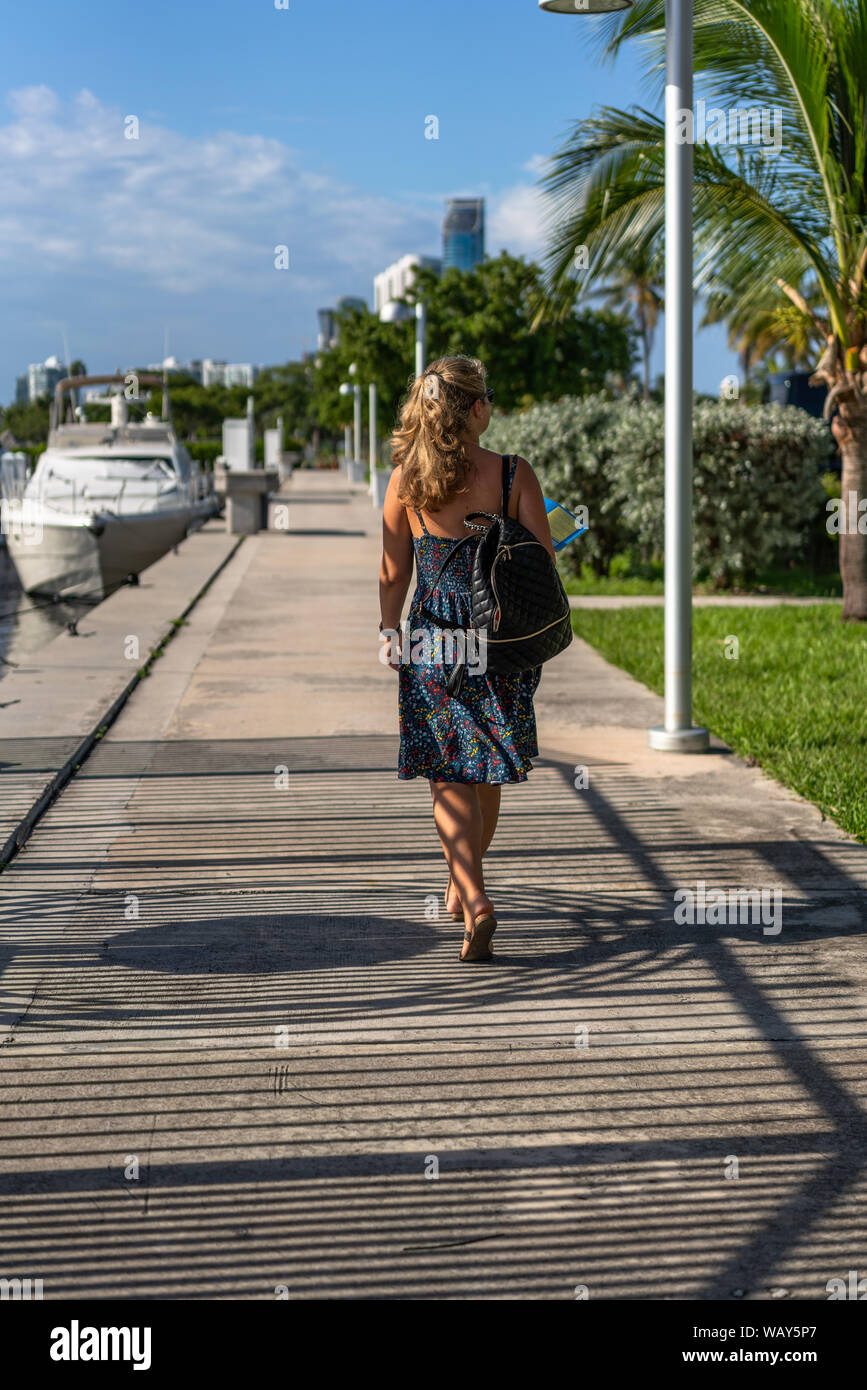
528,506
395,572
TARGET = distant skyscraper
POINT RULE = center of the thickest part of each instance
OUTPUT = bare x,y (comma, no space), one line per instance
40,379
240,374
329,335
208,371
463,233
393,282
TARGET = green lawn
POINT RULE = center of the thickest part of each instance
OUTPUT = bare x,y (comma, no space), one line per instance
794,701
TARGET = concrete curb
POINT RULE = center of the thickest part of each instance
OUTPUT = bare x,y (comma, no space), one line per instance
609,601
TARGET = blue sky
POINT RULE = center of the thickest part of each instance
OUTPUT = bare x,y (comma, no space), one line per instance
261,127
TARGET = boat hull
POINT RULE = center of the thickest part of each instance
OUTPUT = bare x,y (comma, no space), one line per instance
79,562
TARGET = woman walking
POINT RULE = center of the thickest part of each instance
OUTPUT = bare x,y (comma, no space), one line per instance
467,745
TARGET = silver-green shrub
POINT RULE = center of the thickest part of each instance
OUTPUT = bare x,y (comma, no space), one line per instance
570,444
757,478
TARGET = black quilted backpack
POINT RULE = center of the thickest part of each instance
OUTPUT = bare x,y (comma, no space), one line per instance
518,600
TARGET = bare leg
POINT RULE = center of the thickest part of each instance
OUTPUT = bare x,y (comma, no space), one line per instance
489,803
458,817
489,800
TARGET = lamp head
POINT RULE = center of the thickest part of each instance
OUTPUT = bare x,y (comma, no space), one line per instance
585,6
392,312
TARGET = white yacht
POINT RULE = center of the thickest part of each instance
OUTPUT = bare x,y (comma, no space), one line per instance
104,500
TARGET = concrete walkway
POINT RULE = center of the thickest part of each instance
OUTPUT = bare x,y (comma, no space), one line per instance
239,1053
54,697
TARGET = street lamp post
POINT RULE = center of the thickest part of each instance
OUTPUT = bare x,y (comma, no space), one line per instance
371,433
346,389
420,337
678,733
356,415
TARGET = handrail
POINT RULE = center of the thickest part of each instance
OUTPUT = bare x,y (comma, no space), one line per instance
71,383
59,503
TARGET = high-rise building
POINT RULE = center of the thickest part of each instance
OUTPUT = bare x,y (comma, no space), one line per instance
329,332
40,379
213,370
393,282
240,374
209,371
463,233
327,335
217,372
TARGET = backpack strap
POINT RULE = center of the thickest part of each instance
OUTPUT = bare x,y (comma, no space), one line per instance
456,679
442,569
475,526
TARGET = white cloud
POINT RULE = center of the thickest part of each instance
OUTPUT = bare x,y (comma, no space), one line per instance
514,222
32,102
181,214
118,238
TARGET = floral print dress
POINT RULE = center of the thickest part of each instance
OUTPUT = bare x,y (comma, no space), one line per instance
487,733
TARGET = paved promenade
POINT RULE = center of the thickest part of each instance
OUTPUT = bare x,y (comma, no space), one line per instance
238,1054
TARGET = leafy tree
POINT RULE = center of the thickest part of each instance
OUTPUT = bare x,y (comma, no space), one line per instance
490,312
768,229
286,391
485,312
760,336
28,423
636,280
198,411
383,354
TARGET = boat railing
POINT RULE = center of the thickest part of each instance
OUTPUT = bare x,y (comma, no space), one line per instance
13,476
191,492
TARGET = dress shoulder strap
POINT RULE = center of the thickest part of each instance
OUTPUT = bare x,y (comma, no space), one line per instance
510,463
421,521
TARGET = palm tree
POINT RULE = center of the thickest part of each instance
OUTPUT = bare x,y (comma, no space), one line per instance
636,279
773,230
763,335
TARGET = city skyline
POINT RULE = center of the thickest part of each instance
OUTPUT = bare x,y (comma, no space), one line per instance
40,378
177,228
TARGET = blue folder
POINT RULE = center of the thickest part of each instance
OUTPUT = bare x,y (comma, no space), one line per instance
563,523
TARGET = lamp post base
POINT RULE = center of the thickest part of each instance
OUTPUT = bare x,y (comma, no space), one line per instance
692,740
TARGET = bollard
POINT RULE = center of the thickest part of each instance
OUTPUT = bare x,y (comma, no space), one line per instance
247,499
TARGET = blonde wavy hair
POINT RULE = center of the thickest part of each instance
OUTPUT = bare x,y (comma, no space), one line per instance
427,444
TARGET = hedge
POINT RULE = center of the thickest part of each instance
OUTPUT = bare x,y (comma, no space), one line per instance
758,496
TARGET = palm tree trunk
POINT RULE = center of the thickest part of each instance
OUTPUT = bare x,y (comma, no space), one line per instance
850,431
645,343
